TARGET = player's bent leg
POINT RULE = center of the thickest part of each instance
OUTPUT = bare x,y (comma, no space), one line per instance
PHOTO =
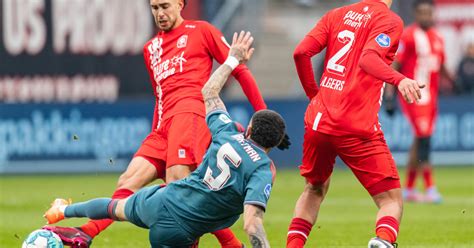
100,208
306,212
139,173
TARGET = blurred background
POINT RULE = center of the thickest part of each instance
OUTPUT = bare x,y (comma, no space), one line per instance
75,95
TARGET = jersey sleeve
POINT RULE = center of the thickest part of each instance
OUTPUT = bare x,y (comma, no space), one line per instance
259,186
218,48
219,121
314,42
384,35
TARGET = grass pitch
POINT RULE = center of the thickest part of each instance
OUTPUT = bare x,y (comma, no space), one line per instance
346,218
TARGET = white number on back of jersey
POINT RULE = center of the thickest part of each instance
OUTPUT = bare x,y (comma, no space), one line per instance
334,63
225,153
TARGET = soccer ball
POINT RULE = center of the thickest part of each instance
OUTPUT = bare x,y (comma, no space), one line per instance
42,239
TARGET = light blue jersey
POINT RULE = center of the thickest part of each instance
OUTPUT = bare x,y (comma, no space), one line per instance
234,172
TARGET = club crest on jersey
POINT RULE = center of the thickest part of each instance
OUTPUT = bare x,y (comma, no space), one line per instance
182,41
267,190
383,40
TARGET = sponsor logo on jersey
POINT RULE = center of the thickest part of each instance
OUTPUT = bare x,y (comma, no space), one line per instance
267,190
356,20
383,40
181,153
182,41
190,26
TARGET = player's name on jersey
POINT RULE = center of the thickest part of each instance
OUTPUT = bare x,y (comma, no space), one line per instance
332,83
247,147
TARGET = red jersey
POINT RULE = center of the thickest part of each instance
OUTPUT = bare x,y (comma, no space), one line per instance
349,97
180,62
421,55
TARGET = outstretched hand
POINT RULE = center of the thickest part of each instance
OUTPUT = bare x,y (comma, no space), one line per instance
410,90
241,46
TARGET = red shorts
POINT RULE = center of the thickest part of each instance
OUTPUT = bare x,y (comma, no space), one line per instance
368,158
422,118
181,139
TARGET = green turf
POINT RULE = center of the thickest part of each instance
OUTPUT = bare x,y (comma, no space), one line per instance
346,218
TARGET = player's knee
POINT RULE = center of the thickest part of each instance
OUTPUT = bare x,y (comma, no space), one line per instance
132,181
123,179
177,172
424,146
317,189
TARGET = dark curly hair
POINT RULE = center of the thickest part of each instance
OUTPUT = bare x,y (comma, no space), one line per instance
268,128
417,3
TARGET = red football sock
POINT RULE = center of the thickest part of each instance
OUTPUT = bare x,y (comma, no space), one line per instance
298,233
428,176
387,228
94,227
227,238
411,177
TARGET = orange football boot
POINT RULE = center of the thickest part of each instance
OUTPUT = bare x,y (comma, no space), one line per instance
56,212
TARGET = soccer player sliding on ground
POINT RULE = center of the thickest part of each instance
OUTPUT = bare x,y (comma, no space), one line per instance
341,119
235,177
179,61
421,56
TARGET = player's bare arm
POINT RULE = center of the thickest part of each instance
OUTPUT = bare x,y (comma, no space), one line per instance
240,52
253,226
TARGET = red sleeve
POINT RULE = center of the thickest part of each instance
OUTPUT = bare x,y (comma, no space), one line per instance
371,62
219,49
314,42
146,55
384,34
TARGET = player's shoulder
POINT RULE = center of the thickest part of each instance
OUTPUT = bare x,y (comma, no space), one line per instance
393,17
198,24
154,39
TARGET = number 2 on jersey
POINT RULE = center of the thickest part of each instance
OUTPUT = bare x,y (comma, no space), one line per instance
334,64
225,153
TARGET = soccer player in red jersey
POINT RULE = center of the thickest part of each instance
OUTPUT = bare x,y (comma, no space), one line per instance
421,56
179,60
341,119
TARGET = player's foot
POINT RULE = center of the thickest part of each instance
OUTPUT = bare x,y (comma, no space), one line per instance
380,243
71,236
433,196
412,195
56,212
